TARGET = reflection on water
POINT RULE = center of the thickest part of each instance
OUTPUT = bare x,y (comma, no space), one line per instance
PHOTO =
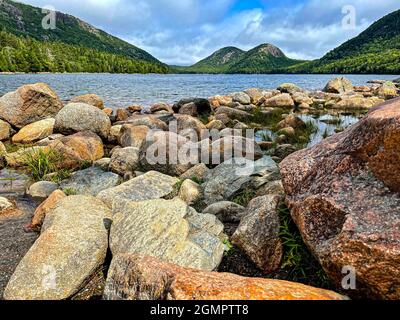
328,125
12,183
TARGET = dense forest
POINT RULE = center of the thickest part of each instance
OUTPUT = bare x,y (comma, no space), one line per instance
24,54
376,50
73,46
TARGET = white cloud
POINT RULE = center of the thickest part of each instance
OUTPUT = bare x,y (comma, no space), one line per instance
184,31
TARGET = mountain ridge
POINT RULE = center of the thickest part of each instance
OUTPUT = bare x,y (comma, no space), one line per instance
23,25
265,58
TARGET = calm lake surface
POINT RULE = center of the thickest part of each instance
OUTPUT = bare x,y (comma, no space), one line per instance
122,90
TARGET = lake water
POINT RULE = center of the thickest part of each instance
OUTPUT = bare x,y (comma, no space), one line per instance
122,90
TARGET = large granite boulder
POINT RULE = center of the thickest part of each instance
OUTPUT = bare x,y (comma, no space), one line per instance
135,277
90,182
34,132
72,247
283,100
77,117
338,85
164,229
28,104
344,196
258,233
169,153
78,148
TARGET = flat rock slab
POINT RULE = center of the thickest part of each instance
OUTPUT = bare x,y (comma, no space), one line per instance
151,185
160,228
71,248
133,277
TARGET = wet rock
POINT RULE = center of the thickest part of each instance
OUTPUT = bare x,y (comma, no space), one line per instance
34,132
160,228
226,211
90,182
190,192
41,211
339,85
77,117
91,99
76,228
151,185
343,196
132,277
258,233
203,106
5,130
28,104
283,100
42,189
124,160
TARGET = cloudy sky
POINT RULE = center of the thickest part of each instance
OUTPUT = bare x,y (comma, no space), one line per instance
184,31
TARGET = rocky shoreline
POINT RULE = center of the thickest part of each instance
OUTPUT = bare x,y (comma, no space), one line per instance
107,221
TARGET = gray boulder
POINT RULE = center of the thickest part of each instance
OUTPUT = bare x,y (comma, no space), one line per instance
234,176
77,117
124,160
28,104
90,181
258,233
